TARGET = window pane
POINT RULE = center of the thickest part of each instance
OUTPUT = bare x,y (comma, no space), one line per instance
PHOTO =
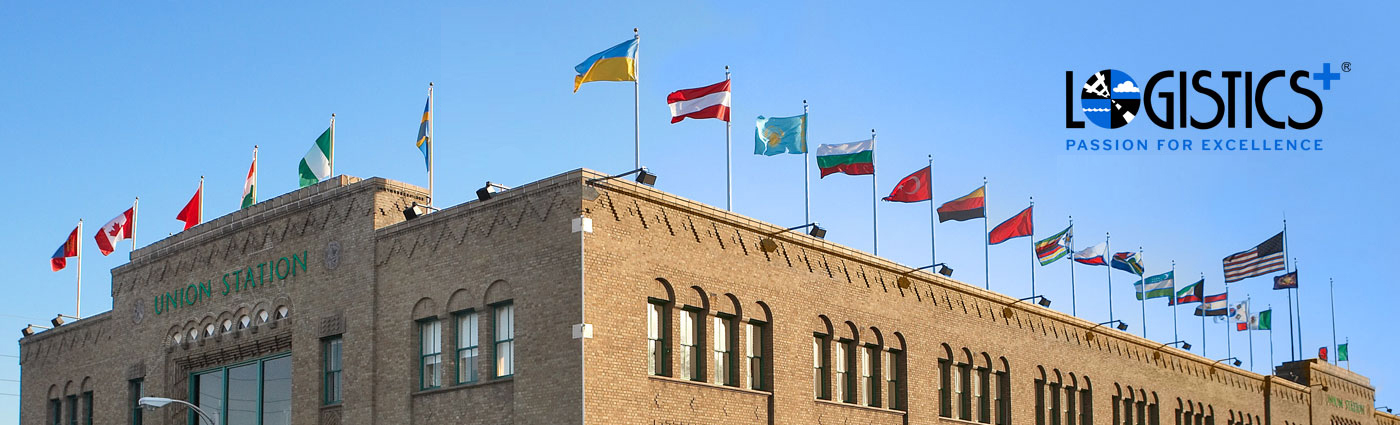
505,344
721,351
277,391
332,364
468,333
817,367
243,394
210,394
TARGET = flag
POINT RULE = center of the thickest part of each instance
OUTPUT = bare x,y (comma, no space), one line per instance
777,135
1214,305
1158,286
1342,353
1286,281
115,230
917,187
617,63
1017,226
1322,353
1094,255
970,206
1054,247
1128,262
1241,312
711,101
317,163
68,249
855,158
1263,259
193,213
425,137
1190,294
250,183
1258,322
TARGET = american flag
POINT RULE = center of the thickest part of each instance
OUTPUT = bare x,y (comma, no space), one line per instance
1263,259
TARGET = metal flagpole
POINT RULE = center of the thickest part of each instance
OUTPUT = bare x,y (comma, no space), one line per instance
637,102
1292,352
1031,239
255,174
1109,274
1176,333
728,154
874,198
806,172
1203,314
200,194
134,210
1249,330
1271,339
986,241
1291,292
1229,348
432,111
1332,299
1073,298
932,217
1142,293
78,304
330,161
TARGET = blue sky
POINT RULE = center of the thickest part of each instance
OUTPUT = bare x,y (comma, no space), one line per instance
103,103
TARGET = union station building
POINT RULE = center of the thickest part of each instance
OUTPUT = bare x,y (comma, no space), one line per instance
574,300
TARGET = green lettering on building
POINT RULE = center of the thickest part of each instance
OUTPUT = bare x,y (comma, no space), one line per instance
201,291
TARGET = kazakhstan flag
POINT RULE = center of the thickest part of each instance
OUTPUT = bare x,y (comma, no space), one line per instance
780,135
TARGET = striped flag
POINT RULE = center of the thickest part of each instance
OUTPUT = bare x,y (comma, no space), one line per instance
68,249
425,133
1094,255
250,183
711,101
1263,259
1158,286
316,166
1190,294
855,158
970,206
1259,322
1214,305
1054,247
1128,262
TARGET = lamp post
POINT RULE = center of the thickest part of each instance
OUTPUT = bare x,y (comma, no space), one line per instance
157,402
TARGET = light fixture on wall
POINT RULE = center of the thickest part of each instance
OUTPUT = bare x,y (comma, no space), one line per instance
418,210
490,190
29,330
943,269
644,176
767,244
58,320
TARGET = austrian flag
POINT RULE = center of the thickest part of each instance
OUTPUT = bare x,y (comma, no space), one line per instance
118,229
711,101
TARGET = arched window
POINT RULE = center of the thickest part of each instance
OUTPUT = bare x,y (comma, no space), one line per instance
821,360
945,383
1053,390
757,342
1117,404
870,365
1153,413
1003,401
1086,403
1071,388
895,372
1040,401
964,386
984,389
660,299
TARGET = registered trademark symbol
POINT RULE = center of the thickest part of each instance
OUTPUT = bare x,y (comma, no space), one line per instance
1346,66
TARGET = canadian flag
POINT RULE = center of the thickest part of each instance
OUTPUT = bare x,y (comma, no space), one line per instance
118,229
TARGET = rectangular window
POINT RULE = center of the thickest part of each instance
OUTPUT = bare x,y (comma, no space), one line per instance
869,377
1039,402
467,346
254,393
1070,406
276,391
1086,407
241,402
87,408
820,367
984,402
55,411
331,368
209,395
72,410
891,371
842,387
505,340
134,391
723,353
657,330
1054,412
753,350
430,354
964,394
1004,398
945,386
690,329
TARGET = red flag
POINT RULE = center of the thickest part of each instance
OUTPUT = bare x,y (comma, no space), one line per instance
68,249
915,188
193,212
117,229
1322,353
1014,227
711,101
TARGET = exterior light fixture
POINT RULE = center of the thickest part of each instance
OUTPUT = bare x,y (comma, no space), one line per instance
491,189
158,402
29,330
1008,311
1234,360
418,210
903,279
644,176
58,320
767,244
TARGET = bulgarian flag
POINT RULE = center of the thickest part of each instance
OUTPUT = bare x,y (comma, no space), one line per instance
316,166
855,158
250,184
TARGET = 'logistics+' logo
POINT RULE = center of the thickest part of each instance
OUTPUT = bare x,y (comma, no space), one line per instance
1111,98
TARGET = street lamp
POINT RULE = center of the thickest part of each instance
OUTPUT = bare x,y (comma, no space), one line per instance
157,402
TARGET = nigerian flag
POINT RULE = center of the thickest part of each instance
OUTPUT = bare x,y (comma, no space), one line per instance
317,163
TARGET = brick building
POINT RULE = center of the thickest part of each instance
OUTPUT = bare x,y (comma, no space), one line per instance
327,306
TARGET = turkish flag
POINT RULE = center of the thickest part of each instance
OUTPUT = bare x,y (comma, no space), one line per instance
918,187
192,214
1014,227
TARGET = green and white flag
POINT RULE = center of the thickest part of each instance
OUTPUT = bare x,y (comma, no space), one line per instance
316,166
1262,322
1158,286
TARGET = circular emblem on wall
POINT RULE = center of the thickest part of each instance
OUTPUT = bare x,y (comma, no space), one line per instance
1110,98
332,255
137,313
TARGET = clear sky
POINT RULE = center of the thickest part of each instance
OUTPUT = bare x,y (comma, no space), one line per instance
101,103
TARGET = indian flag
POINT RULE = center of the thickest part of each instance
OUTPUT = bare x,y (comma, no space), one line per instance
855,158
250,193
316,166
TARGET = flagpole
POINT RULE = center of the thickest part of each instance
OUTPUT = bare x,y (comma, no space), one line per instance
1291,291
1142,293
932,217
134,204
1031,239
255,174
875,198
1250,331
637,102
1073,298
200,194
1176,333
1332,299
329,161
431,118
1271,339
1292,352
986,240
1108,273
728,153
78,304
1203,314
1229,347
806,171
1348,354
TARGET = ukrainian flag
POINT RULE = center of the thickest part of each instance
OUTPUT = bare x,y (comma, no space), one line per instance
618,63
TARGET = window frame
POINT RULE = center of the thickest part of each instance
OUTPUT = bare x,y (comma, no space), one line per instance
755,338
692,325
821,365
423,383
326,372
475,346
659,348
726,371
192,418
894,365
86,409
844,376
134,389
496,309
